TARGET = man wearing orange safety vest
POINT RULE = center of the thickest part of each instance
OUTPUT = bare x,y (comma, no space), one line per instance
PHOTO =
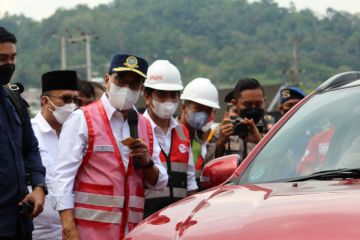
101,170
162,92
316,151
200,99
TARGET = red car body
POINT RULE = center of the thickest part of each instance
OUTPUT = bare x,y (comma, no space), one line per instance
305,210
280,210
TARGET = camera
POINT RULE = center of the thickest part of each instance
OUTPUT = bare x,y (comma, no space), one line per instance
26,208
240,129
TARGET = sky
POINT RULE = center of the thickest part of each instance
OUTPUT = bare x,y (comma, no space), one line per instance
40,9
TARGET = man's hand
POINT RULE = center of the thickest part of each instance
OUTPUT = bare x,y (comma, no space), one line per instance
254,134
37,197
226,130
69,230
138,149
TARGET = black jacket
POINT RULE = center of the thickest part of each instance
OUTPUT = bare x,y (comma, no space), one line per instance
19,146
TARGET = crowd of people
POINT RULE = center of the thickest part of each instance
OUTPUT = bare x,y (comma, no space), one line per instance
107,165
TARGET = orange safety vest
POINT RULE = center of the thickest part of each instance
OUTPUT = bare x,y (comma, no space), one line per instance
316,151
106,195
176,164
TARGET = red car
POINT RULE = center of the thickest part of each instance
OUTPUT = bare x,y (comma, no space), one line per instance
300,182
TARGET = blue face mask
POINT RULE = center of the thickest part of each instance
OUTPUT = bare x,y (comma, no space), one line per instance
198,119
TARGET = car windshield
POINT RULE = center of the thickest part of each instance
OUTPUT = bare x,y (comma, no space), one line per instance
324,134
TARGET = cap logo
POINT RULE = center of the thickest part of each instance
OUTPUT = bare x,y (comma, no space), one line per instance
285,94
131,62
156,77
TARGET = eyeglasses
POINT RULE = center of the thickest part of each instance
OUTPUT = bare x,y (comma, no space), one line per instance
67,99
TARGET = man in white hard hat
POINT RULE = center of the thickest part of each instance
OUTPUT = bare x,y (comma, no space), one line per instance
162,93
200,99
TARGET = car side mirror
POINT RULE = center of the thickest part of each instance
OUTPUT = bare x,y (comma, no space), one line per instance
218,170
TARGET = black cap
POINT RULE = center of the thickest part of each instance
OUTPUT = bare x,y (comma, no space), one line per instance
124,62
291,93
59,80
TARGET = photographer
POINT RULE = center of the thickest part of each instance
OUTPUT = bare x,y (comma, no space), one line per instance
239,134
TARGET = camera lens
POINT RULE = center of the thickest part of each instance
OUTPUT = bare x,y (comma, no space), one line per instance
241,130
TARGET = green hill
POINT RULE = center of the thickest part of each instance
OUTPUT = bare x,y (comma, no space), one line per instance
222,40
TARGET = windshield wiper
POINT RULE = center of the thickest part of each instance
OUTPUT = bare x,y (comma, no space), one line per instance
330,174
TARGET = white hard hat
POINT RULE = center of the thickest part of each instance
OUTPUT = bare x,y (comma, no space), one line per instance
163,75
202,91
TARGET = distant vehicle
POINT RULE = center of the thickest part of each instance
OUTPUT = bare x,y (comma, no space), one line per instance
300,182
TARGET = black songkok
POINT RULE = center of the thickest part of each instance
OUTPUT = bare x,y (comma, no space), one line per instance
59,80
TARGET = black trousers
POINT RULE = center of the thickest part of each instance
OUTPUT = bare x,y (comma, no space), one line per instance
20,235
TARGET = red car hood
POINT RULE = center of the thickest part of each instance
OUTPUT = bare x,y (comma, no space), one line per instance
305,210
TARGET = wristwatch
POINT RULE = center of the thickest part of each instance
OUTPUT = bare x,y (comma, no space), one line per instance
149,165
43,186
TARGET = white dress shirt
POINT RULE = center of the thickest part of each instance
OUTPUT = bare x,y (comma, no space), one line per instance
164,141
47,225
73,145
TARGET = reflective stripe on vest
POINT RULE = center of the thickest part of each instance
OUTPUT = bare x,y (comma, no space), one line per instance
99,199
176,167
98,215
178,193
135,217
136,202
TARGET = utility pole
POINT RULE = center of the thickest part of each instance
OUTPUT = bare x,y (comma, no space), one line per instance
63,52
294,63
293,71
84,38
88,57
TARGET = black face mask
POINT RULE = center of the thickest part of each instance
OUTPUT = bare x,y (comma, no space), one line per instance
256,114
6,72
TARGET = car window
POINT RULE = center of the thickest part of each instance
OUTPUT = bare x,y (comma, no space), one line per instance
324,134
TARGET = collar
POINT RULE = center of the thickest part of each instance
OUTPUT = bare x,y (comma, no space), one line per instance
42,123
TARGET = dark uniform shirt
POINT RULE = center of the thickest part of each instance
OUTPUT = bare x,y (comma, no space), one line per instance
18,147
236,145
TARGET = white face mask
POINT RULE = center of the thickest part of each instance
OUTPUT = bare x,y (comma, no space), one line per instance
122,98
164,110
61,113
